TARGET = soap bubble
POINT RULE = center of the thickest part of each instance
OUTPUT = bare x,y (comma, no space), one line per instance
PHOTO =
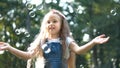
32,14
113,12
29,6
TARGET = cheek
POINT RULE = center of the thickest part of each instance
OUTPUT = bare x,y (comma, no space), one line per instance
60,27
47,26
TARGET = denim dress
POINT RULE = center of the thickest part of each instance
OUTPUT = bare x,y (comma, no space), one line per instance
52,53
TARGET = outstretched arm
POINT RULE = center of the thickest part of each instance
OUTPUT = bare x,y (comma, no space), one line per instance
16,52
82,49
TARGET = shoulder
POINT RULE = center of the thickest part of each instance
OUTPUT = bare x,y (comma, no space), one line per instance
69,40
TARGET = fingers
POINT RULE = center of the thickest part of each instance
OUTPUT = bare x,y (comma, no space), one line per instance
107,39
104,40
101,39
2,48
101,36
2,43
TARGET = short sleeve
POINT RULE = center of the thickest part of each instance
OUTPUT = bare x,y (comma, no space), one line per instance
69,40
67,52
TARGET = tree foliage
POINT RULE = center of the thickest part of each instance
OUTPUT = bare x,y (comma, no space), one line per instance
20,22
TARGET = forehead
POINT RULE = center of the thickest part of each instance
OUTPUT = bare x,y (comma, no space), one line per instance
53,16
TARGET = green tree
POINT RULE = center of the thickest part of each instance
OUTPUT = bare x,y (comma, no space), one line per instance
20,22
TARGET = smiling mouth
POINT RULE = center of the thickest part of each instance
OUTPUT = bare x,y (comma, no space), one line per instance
51,28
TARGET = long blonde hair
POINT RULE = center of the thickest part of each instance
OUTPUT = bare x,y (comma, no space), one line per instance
42,36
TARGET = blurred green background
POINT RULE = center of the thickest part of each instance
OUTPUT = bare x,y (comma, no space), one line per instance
20,22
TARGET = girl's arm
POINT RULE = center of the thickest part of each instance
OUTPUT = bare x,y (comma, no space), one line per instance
82,49
71,60
16,52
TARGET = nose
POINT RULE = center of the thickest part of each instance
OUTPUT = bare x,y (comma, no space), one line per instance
51,23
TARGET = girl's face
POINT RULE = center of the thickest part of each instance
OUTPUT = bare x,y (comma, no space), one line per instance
53,24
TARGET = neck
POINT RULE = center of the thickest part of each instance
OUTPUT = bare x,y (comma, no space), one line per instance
53,36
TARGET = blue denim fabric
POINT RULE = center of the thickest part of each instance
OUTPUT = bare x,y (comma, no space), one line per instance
53,56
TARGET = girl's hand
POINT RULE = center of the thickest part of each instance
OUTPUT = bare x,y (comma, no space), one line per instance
100,39
3,46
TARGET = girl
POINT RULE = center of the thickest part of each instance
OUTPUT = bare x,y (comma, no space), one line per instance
54,46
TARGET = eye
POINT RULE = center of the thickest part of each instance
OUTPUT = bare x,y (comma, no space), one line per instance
54,21
48,22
